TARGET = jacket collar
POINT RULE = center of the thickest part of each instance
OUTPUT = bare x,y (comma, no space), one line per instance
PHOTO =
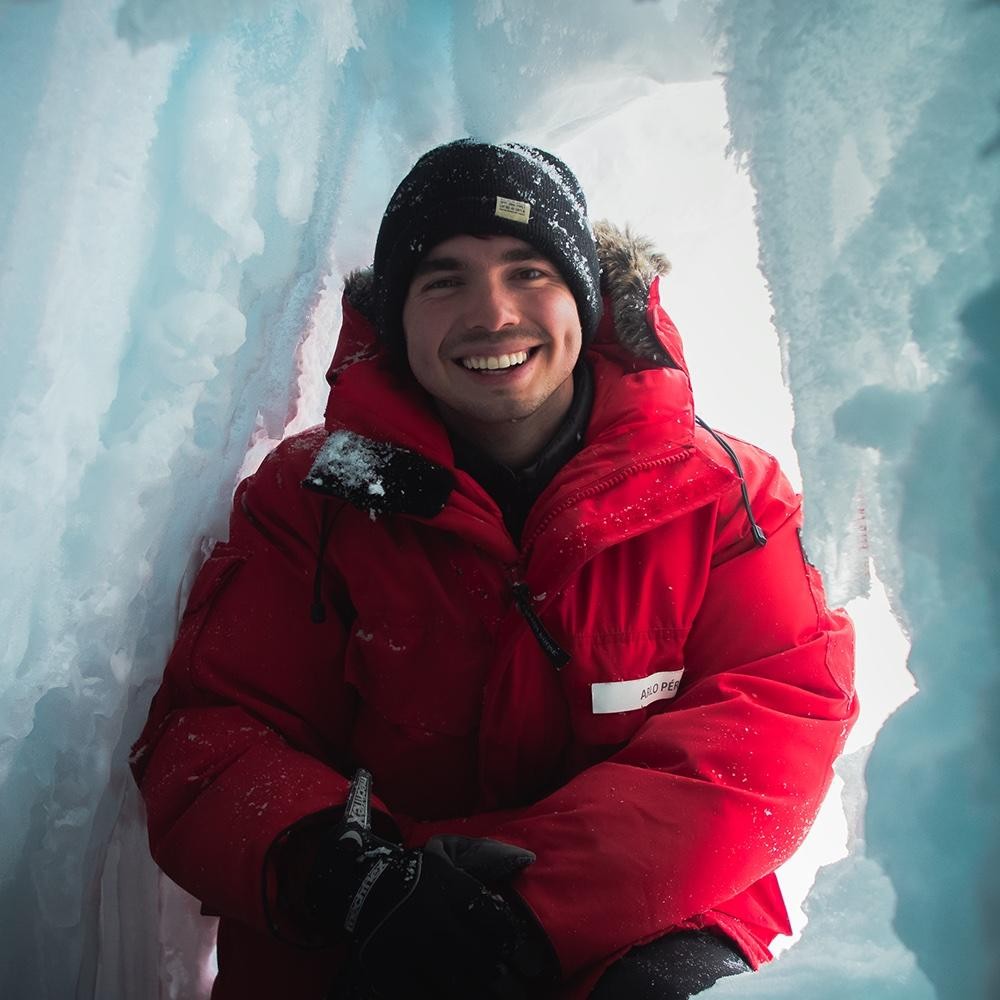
388,453
516,490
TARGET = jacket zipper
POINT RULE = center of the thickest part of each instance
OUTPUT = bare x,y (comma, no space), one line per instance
522,594
522,598
678,455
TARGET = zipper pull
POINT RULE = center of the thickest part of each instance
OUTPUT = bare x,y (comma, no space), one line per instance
551,648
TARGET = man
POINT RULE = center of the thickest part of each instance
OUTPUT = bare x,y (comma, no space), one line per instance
512,680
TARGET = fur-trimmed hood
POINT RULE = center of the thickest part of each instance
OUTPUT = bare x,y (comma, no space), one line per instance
629,264
410,475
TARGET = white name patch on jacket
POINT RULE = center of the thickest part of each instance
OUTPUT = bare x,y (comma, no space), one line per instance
626,696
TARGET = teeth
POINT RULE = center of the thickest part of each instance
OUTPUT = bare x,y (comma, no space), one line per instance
495,362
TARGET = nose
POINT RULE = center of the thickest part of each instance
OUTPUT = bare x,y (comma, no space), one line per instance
492,306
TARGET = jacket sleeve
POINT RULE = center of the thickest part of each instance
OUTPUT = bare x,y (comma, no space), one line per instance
711,795
250,718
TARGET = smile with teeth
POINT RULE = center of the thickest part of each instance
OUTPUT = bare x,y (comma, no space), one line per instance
494,362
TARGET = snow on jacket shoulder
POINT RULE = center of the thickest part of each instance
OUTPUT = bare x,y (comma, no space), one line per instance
660,773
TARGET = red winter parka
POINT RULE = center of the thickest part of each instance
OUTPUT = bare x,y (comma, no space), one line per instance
660,775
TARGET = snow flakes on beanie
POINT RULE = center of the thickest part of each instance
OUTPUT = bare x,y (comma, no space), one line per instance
477,188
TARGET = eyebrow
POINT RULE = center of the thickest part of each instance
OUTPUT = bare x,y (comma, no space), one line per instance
432,265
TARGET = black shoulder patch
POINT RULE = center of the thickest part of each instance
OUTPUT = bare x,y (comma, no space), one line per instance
379,477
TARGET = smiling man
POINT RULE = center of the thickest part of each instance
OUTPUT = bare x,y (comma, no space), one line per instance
493,335
511,680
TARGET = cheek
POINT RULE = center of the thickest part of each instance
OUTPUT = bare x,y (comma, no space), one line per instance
418,334
566,318
572,334
423,345
416,353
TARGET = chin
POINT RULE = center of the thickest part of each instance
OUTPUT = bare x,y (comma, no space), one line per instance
480,412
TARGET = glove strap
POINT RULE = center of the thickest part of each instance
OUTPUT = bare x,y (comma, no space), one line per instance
358,902
357,810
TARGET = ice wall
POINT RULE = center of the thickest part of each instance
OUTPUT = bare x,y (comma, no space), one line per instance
866,128
182,185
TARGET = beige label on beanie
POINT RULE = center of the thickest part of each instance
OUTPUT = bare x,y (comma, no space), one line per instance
516,211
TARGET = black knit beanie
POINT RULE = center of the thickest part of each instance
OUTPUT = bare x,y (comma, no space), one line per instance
476,188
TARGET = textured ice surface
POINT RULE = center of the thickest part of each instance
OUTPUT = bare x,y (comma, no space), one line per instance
865,129
182,186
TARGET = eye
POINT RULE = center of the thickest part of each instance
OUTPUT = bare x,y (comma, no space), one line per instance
530,273
436,284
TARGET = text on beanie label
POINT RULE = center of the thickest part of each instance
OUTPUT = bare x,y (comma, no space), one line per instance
516,211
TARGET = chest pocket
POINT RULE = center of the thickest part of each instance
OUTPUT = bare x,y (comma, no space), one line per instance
616,681
420,673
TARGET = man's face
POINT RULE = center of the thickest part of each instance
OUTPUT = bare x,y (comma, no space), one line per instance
492,333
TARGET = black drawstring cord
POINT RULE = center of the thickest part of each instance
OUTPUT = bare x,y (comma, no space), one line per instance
759,537
318,610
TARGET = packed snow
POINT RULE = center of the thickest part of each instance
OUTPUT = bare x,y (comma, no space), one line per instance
353,461
183,187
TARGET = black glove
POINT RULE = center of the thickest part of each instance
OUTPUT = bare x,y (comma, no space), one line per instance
426,923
